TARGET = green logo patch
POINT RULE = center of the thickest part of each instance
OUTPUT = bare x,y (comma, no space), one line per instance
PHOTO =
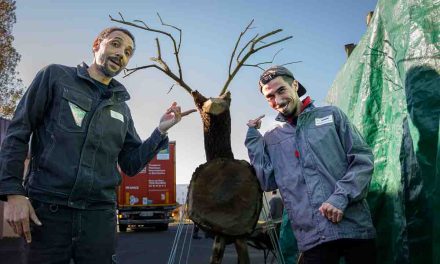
77,113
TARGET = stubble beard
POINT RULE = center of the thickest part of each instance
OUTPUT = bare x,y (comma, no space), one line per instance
290,112
105,69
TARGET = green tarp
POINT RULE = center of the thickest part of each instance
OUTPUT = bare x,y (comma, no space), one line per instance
390,89
288,246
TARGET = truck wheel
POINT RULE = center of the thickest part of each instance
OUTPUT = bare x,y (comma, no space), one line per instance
162,227
122,228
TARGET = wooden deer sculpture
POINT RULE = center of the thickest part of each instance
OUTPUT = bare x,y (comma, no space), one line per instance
224,196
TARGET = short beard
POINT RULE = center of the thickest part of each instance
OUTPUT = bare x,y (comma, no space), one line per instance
104,70
293,110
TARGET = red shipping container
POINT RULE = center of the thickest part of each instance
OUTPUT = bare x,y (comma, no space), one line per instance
155,185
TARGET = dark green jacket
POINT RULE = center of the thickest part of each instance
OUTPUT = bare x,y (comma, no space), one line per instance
79,135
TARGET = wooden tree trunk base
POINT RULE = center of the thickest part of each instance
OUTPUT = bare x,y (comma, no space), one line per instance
218,250
225,198
242,251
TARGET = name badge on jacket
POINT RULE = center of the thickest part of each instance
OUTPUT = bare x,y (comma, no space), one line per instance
117,116
323,120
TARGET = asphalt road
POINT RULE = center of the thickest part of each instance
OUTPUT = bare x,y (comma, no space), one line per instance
148,246
151,246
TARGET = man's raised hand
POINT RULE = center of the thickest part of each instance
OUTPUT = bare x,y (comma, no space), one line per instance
172,116
255,122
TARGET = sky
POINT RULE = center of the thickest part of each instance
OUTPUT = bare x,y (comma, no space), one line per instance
62,32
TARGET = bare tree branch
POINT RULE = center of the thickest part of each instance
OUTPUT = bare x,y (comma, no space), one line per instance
261,63
252,49
245,53
236,45
254,65
129,72
159,54
122,18
292,62
176,48
162,65
147,28
180,31
267,35
159,57
258,65
142,22
171,88
245,46
272,43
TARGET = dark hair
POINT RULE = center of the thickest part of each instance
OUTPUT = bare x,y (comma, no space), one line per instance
285,78
288,79
279,71
109,30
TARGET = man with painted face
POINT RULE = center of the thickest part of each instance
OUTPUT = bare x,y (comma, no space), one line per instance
81,129
322,167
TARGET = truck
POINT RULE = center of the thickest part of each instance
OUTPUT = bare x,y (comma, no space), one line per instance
148,198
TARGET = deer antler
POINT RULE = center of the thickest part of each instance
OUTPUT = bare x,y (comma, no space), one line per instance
160,63
258,65
251,44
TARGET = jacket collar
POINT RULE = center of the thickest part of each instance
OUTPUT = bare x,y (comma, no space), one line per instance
114,85
307,106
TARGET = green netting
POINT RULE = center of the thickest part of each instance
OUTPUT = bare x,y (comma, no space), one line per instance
288,245
390,88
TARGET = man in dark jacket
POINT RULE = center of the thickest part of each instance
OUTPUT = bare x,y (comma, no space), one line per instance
322,167
81,129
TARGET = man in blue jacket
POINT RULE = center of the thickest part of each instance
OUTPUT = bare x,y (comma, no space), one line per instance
80,128
322,167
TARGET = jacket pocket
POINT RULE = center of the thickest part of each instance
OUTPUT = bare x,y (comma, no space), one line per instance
47,152
113,124
106,181
74,110
115,172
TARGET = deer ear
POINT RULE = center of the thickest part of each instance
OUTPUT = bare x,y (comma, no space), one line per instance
226,96
199,99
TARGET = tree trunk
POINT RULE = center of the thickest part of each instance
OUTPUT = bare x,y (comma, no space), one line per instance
216,126
224,196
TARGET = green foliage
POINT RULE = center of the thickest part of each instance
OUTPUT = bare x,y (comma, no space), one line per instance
11,88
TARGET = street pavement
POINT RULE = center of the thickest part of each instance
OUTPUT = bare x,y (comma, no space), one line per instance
148,246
